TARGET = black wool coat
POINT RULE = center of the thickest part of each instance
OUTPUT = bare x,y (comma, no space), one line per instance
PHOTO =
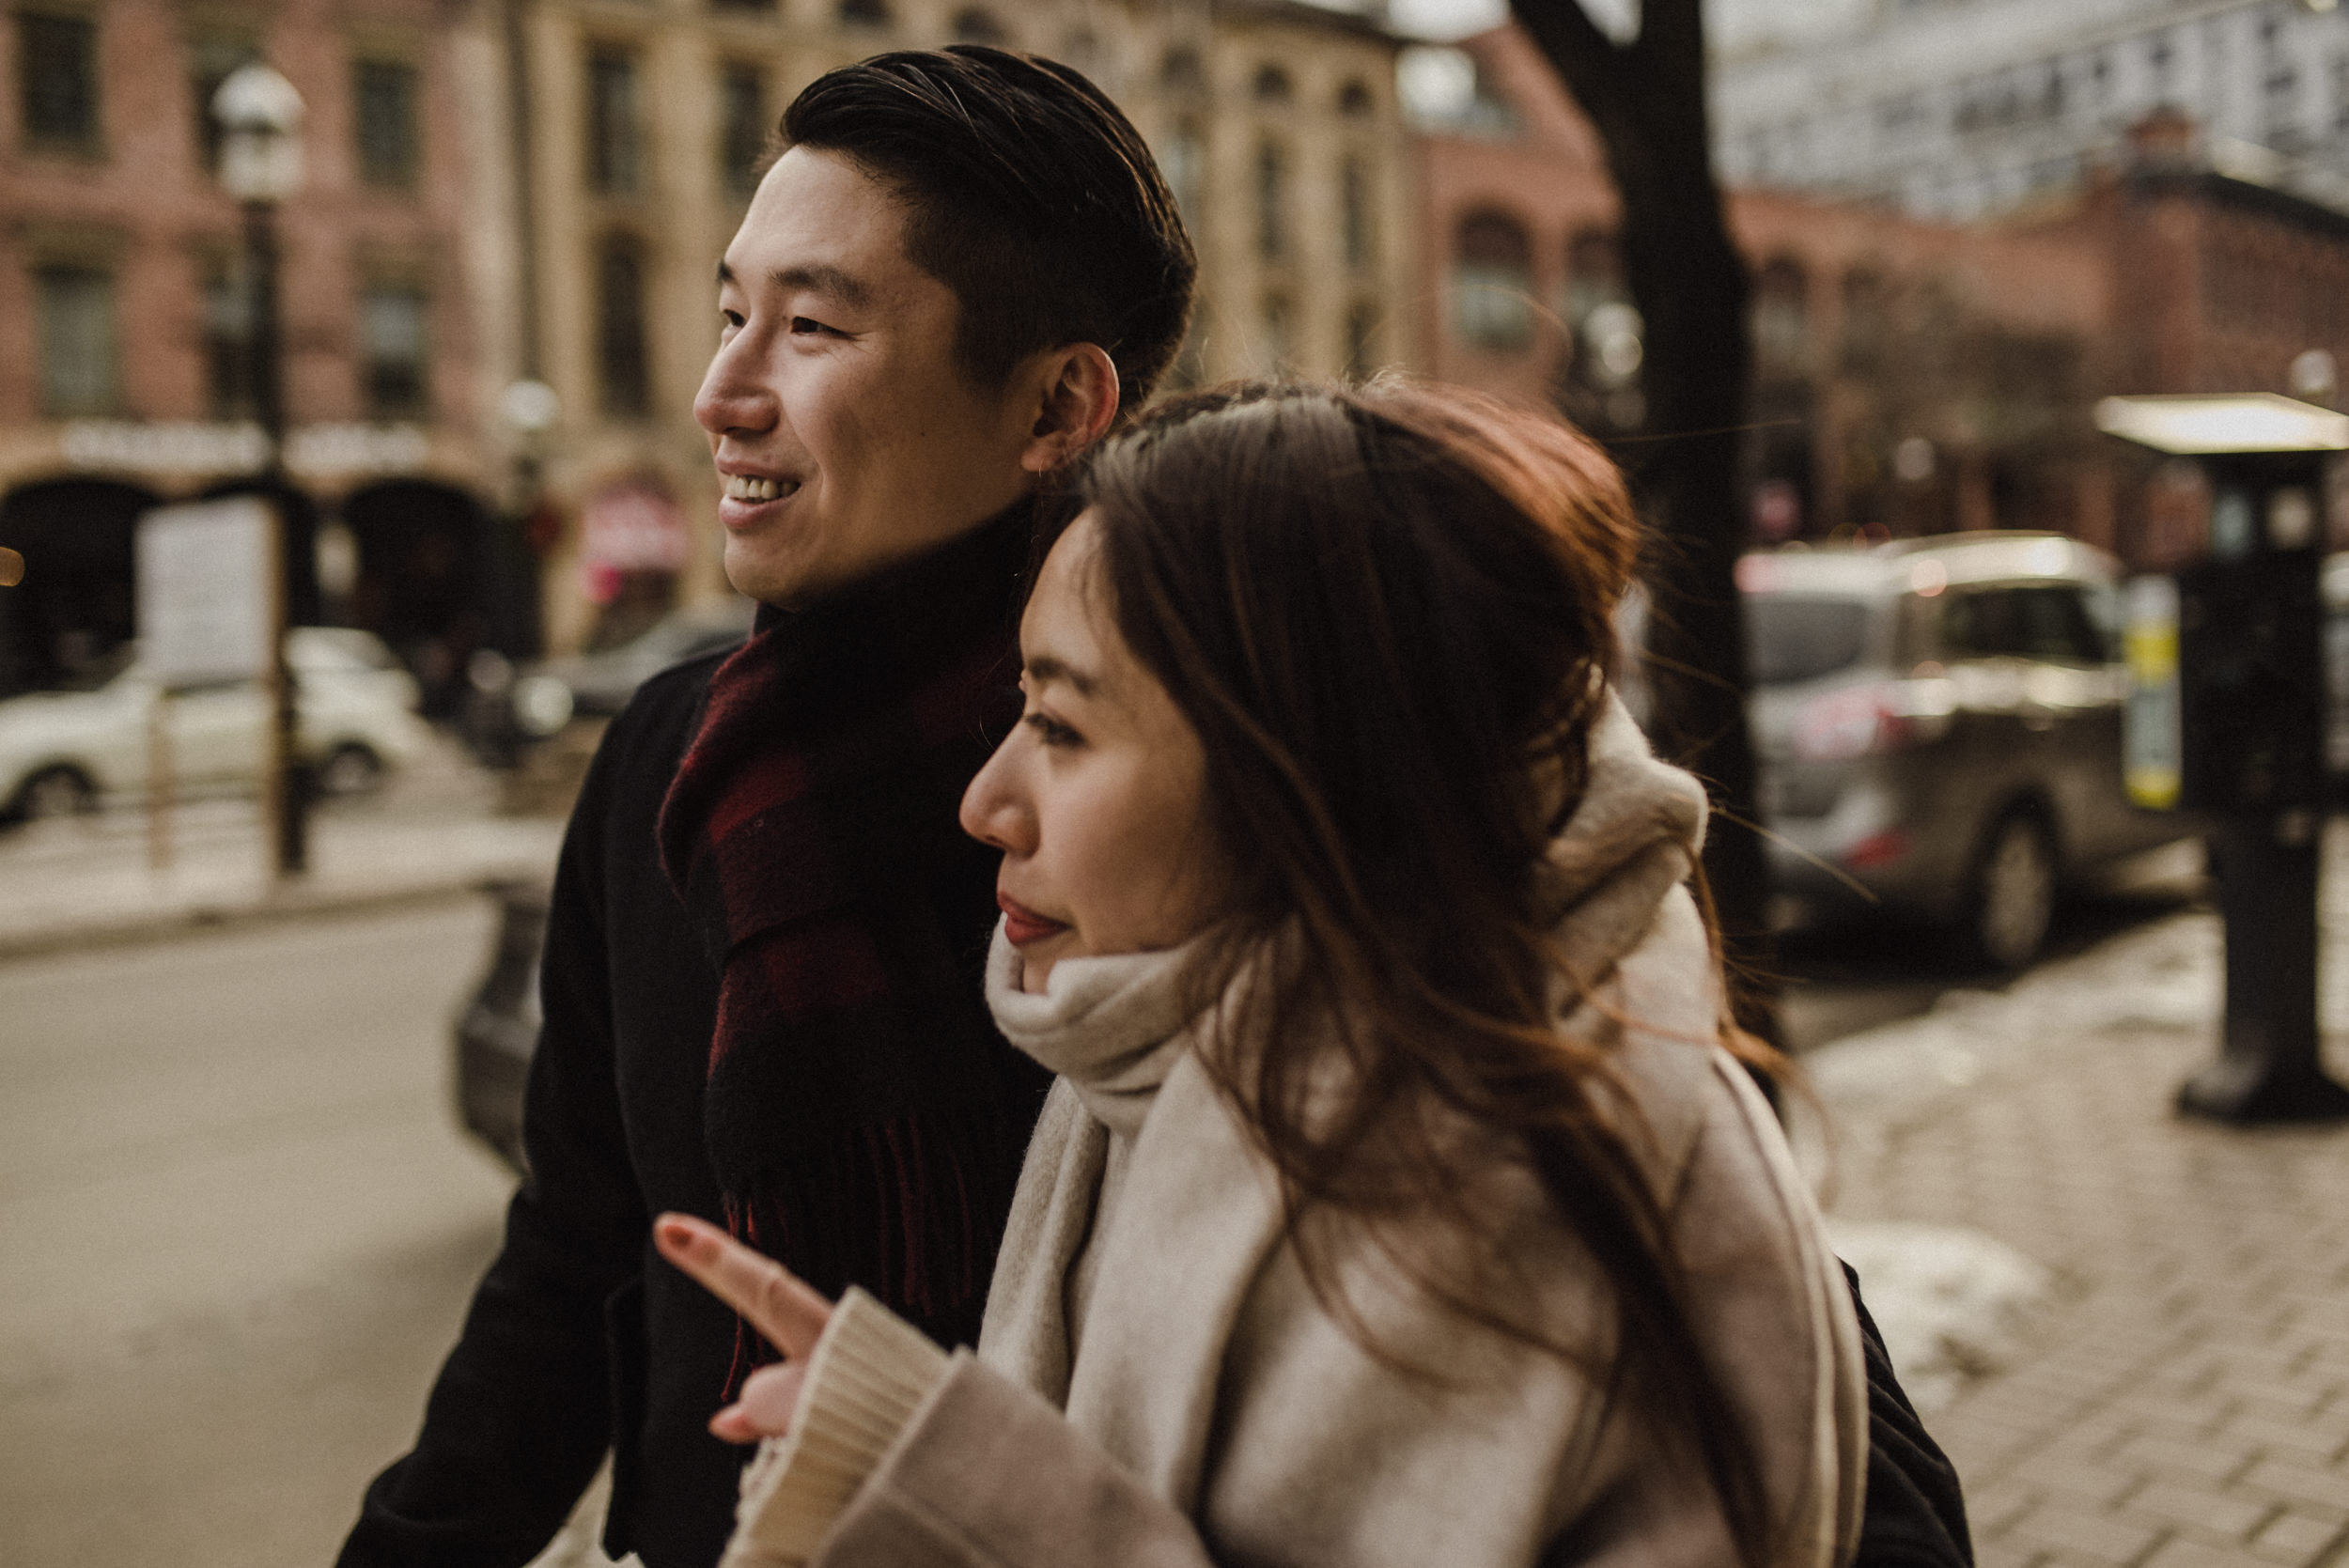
580,1338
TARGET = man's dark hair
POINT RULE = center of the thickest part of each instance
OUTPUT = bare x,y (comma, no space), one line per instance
1028,193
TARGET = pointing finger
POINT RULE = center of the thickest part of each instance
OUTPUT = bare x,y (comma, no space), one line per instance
775,1301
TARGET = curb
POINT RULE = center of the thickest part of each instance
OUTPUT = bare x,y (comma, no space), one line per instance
200,919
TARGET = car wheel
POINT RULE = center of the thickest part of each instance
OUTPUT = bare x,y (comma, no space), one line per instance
350,769
56,792
2012,897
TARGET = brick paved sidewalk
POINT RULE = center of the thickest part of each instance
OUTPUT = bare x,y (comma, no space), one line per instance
2182,1394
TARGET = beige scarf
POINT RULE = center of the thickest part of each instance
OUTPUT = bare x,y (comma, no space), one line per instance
1190,1279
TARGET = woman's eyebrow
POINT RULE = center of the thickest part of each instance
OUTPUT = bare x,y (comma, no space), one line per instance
1051,667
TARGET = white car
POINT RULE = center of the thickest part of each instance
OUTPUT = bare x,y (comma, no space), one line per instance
65,752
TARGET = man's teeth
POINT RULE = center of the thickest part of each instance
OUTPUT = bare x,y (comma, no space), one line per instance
743,486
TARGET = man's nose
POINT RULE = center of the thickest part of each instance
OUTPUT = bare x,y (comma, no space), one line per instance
733,397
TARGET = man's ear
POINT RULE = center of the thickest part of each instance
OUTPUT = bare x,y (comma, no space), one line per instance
1079,402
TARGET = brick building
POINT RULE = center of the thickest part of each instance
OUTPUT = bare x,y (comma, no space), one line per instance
514,191
1911,376
122,322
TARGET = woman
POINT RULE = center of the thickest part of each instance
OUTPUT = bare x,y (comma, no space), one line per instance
1403,1198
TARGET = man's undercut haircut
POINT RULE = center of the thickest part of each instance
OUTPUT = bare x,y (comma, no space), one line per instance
1028,193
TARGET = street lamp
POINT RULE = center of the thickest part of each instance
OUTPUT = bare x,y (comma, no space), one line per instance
261,119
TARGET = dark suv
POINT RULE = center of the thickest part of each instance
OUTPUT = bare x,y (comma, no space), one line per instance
1939,726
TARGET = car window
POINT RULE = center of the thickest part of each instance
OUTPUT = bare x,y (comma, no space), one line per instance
2048,622
1792,637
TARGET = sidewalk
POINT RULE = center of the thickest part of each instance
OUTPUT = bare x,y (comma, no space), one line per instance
432,831
2161,1377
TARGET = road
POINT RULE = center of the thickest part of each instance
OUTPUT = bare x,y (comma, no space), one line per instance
238,1226
237,1230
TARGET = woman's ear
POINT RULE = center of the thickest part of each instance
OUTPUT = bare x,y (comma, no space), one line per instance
1077,406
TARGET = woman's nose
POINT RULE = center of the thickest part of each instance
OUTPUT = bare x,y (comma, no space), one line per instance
992,812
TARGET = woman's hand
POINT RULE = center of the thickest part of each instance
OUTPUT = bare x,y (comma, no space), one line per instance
772,1299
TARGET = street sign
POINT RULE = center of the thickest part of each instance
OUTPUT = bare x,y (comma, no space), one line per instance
207,591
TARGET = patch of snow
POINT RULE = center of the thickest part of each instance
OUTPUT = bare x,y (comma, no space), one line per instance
1951,1303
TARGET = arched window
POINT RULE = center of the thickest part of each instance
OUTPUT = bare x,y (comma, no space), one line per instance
1272,86
1357,224
1361,338
1272,200
1782,317
864,13
1180,71
975,25
1866,319
1354,99
1492,283
622,367
1183,159
1279,332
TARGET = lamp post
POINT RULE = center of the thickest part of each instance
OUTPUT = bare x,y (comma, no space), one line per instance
261,119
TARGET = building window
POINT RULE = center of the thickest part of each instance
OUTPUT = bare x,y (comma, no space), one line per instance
383,98
864,13
1183,162
743,128
1492,284
1273,201
615,137
975,25
56,80
1272,86
1355,224
227,313
1180,71
1279,333
210,59
1782,320
1354,99
621,363
1361,338
392,344
79,362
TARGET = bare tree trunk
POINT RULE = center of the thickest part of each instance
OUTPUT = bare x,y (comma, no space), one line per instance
1646,100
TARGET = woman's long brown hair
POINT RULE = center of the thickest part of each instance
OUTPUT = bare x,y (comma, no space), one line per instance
1388,614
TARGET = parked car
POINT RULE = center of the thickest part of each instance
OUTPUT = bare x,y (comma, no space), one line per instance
1938,722
497,1029
72,750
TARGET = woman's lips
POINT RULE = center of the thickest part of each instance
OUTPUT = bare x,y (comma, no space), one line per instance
1024,925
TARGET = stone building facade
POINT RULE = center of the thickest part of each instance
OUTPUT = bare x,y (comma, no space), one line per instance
1276,123
122,322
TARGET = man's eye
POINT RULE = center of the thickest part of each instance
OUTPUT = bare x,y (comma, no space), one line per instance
809,324
1050,730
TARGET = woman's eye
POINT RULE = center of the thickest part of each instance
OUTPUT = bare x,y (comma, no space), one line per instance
1050,730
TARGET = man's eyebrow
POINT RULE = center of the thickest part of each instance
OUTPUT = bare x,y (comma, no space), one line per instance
1049,667
815,277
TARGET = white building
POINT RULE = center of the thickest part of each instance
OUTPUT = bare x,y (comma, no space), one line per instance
1959,108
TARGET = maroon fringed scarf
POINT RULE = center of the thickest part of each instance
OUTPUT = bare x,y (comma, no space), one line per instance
864,1120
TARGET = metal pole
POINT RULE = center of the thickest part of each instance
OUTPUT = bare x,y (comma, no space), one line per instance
2269,1066
285,785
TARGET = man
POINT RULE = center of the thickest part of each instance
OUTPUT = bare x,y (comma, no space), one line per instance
761,974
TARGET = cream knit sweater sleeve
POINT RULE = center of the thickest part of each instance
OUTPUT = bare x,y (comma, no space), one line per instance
869,1374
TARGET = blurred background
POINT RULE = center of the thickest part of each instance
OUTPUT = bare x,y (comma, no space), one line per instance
255,1127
